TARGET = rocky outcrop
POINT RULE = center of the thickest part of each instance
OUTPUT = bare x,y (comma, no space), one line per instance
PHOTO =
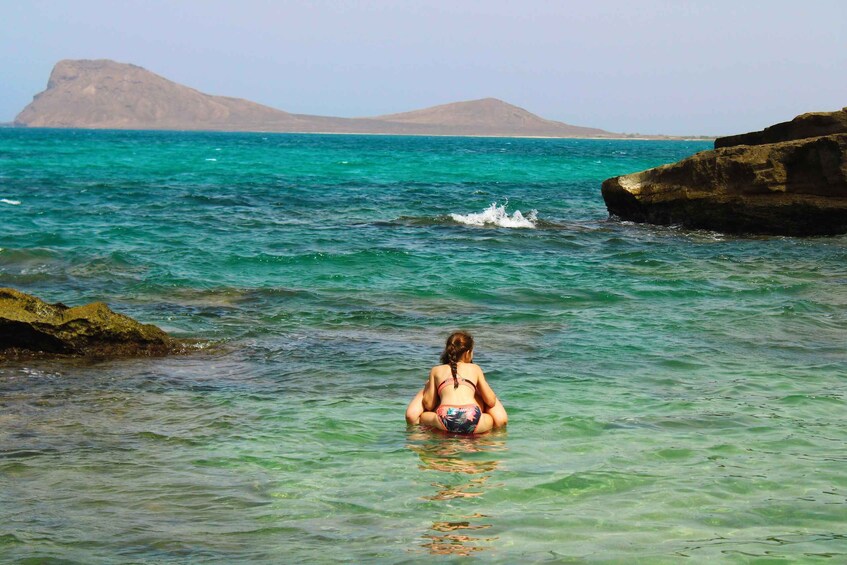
29,326
104,94
813,124
791,187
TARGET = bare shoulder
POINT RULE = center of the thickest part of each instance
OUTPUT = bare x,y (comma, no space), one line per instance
473,368
439,370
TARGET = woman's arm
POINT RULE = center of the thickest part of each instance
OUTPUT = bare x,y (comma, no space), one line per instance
430,393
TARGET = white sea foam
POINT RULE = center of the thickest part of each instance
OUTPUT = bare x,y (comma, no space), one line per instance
496,215
12,202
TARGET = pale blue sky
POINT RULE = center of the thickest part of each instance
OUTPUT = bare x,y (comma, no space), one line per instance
648,66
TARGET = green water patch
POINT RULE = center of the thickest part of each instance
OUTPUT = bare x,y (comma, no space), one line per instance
585,485
673,394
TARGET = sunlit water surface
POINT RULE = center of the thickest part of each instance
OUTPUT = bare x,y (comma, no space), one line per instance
672,394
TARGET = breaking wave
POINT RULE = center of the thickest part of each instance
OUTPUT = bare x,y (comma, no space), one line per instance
496,215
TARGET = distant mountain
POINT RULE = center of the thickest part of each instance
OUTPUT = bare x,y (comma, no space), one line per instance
103,94
490,116
106,94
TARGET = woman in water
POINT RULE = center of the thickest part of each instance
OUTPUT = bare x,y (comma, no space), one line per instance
457,398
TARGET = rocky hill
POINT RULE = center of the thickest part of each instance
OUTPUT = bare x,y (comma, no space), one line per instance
489,116
104,94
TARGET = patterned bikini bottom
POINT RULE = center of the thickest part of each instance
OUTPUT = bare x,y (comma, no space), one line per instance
459,419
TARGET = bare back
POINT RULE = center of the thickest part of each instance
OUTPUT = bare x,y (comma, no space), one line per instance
472,390
465,392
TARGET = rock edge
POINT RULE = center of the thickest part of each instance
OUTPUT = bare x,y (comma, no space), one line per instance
30,327
794,186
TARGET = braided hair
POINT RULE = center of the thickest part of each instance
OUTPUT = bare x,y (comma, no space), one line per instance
457,344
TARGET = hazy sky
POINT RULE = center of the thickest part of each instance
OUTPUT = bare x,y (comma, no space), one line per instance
646,66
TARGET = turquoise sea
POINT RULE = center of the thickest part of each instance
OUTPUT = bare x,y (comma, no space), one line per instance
674,396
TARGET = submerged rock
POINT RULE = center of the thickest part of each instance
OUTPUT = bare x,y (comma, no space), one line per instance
30,326
787,187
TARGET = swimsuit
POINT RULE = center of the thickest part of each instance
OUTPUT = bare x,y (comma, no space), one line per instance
459,419
462,381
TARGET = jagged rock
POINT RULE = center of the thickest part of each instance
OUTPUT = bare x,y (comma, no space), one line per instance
30,326
796,187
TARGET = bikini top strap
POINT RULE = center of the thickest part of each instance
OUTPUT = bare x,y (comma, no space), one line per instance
462,380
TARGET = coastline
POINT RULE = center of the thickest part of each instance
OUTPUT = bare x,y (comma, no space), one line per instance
621,137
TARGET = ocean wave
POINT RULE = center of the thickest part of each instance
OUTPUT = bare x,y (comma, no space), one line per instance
10,202
530,221
496,215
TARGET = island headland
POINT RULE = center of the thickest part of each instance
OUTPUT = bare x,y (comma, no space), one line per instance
788,179
104,94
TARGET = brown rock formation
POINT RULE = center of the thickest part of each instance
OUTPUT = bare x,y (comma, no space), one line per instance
108,95
796,187
813,124
30,326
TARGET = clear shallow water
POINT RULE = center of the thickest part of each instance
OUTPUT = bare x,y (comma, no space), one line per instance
671,393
